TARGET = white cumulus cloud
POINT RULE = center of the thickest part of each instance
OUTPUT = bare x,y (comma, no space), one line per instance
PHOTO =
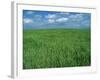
51,21
51,16
28,21
62,19
76,17
30,12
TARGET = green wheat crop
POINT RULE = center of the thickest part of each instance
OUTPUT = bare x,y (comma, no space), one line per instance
52,48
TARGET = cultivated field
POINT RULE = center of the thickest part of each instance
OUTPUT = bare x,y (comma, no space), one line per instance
52,48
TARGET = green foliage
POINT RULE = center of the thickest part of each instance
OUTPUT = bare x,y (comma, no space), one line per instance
54,48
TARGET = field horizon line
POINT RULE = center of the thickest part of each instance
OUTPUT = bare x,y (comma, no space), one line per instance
59,29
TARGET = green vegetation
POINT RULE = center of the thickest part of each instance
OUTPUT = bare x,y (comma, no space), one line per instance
52,48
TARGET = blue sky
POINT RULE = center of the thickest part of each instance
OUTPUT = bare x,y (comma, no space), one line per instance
49,20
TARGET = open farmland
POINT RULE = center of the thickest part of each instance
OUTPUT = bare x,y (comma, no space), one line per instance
52,48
